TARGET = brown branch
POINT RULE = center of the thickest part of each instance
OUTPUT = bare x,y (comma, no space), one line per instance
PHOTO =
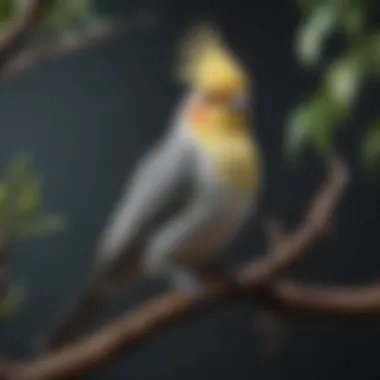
135,326
45,51
17,30
260,277
289,249
337,301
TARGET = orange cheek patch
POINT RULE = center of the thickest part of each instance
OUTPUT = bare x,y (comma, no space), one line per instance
198,112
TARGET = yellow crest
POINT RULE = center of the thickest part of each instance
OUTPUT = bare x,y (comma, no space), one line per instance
207,63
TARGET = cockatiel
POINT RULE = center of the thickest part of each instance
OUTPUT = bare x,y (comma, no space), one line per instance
192,193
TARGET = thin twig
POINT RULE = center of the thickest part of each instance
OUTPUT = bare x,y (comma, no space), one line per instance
339,301
261,275
23,22
44,51
290,248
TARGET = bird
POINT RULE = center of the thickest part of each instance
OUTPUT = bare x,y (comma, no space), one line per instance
189,195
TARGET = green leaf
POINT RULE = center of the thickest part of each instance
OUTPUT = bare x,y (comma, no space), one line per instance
298,130
15,177
21,199
18,166
12,302
313,124
3,196
370,150
343,80
17,173
375,48
43,226
308,5
29,199
353,19
6,10
325,122
3,202
314,31
64,12
79,7
372,54
352,16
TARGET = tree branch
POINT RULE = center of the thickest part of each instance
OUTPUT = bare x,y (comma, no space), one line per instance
261,277
340,301
19,27
44,51
289,248
135,326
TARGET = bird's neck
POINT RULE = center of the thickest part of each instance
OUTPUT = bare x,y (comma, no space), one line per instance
234,152
215,122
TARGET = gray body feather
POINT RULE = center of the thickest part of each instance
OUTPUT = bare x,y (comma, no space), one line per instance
174,211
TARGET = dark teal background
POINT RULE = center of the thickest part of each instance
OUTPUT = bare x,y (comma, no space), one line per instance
88,117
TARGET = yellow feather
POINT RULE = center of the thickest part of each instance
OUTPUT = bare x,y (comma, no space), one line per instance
238,161
207,63
237,158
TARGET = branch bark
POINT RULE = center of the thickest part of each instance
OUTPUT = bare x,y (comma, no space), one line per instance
18,29
338,301
259,277
288,249
44,51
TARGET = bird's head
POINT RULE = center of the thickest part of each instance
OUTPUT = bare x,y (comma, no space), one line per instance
219,83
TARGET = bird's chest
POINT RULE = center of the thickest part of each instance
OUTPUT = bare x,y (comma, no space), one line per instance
223,219
227,199
232,163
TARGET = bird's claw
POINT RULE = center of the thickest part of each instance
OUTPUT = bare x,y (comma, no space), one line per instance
187,281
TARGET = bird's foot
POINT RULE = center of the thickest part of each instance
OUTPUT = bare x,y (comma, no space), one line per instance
187,281
216,270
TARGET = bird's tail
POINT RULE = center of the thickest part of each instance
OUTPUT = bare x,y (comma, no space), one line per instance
75,323
106,282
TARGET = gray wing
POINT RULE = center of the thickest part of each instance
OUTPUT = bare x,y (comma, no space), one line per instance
159,188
